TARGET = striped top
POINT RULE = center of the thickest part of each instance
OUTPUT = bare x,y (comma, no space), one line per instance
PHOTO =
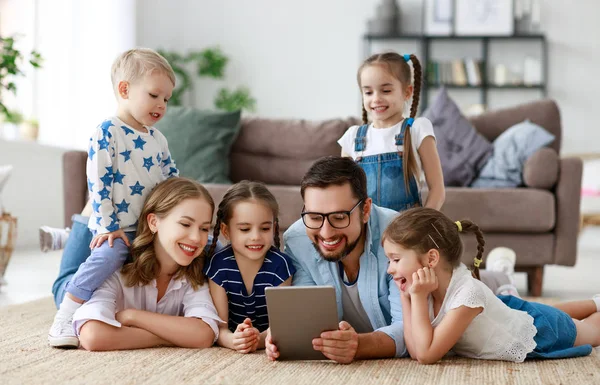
223,270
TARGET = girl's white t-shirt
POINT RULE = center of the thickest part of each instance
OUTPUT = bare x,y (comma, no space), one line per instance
497,333
383,140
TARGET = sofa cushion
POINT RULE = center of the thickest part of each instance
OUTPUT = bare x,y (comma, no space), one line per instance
520,210
511,149
541,169
200,141
462,150
280,151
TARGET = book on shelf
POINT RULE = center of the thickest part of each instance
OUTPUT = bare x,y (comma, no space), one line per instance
465,72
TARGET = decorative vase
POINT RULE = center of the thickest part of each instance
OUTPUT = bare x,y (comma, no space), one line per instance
29,131
386,21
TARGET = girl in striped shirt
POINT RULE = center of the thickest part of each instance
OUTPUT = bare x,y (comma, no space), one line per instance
239,273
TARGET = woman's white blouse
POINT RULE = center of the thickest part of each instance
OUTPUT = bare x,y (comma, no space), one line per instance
498,332
180,299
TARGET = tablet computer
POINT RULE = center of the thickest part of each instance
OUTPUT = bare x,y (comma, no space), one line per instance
297,314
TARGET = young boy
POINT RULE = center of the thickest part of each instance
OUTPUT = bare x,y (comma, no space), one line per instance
127,157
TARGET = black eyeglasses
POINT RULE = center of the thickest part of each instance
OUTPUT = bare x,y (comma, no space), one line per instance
337,219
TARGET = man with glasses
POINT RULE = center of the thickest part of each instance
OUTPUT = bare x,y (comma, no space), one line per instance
337,242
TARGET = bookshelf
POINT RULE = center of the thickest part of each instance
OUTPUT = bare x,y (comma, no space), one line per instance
424,42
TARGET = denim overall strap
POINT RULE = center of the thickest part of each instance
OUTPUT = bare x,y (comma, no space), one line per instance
407,123
360,142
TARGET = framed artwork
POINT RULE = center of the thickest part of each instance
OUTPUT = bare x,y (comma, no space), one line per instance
437,17
484,17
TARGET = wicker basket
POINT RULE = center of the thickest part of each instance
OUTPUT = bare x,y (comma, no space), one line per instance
8,236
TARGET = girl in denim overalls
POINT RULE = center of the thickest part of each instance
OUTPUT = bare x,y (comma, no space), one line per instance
398,154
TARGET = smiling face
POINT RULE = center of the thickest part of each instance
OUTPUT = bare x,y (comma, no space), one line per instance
250,229
331,243
403,263
383,95
182,234
144,102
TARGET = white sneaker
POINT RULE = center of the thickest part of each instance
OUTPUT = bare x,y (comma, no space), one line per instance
61,334
52,238
508,289
502,259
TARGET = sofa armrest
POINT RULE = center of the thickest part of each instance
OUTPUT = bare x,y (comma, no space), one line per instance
568,199
541,169
74,183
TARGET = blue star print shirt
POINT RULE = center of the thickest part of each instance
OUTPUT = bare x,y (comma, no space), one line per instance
123,166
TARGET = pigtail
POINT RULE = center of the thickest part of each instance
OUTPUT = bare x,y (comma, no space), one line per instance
276,240
365,116
470,227
216,233
417,81
409,163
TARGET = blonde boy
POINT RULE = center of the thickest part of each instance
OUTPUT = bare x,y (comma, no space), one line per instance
127,157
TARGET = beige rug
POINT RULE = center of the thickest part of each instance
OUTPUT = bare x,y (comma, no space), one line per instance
25,358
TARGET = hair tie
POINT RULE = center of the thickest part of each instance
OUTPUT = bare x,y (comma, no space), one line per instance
459,225
477,262
410,121
407,57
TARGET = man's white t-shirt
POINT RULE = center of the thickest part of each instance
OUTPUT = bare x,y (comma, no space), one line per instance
383,141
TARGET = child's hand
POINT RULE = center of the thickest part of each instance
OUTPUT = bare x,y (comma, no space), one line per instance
246,337
424,281
100,238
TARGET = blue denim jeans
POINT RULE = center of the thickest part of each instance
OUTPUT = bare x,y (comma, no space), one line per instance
83,270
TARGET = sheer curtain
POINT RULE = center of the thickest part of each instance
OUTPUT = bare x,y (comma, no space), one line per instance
78,40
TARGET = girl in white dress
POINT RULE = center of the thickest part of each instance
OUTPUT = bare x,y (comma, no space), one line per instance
160,296
445,307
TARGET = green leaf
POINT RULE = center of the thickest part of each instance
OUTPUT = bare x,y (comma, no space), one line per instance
240,99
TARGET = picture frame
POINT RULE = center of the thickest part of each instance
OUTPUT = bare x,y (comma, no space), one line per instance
437,17
484,17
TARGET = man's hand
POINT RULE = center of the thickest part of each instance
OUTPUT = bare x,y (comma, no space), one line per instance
424,282
246,337
270,348
338,345
100,238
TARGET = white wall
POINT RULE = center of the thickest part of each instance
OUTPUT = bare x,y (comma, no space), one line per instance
299,58
34,192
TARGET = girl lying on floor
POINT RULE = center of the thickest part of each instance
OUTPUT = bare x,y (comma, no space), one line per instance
445,306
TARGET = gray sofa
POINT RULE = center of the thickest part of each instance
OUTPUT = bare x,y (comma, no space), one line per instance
540,220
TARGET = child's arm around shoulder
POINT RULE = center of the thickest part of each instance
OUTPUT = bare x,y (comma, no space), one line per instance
430,160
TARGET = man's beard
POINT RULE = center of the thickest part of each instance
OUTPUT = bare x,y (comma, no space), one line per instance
342,254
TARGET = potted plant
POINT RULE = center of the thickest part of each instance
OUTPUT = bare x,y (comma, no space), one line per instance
210,62
11,66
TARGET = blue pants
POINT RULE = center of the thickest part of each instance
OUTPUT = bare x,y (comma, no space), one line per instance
83,270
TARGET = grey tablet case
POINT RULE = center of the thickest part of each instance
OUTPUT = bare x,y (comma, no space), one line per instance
297,314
